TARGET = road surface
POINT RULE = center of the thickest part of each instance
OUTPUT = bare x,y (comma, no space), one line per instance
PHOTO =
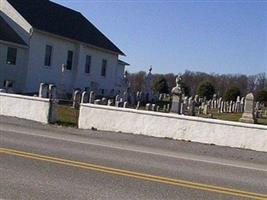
49,162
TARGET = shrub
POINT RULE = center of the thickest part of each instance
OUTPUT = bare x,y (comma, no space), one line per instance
185,89
232,93
261,96
206,89
160,85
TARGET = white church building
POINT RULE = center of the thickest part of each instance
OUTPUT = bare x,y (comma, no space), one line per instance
44,42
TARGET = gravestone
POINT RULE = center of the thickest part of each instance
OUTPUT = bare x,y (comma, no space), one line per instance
138,105
221,110
214,101
164,96
76,98
230,106
190,100
219,102
104,101
182,109
132,99
177,96
125,96
234,107
191,110
10,90
117,98
43,90
153,107
160,97
248,115
117,103
138,96
258,114
52,92
225,107
92,97
125,104
186,102
97,101
141,95
242,104
205,110
257,107
199,110
202,105
209,104
168,107
257,110
238,105
110,102
164,108
148,106
196,99
85,97
3,90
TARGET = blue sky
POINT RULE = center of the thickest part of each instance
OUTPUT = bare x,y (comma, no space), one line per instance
174,36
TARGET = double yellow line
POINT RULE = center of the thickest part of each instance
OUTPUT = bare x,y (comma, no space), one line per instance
132,174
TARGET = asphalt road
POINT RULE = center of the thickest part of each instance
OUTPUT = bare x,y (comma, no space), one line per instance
49,162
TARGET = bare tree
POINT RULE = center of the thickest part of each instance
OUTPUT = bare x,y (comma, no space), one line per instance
221,82
137,80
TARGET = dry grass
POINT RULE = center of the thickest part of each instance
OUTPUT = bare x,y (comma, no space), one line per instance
67,115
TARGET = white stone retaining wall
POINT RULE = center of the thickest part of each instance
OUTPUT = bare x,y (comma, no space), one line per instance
210,131
25,107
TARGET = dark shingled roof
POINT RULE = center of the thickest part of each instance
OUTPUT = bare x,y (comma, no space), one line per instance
8,34
53,18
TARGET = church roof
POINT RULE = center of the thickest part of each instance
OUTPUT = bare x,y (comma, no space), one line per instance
53,18
8,34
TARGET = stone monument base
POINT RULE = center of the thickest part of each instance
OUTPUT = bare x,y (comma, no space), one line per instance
176,104
247,118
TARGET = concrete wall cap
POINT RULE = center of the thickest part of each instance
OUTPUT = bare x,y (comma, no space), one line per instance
24,97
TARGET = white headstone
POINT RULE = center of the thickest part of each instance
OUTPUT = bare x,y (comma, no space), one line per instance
76,98
92,97
138,105
97,102
85,97
110,102
148,106
3,90
52,92
43,90
125,104
248,115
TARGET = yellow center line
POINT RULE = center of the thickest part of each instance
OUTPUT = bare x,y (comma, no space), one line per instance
137,175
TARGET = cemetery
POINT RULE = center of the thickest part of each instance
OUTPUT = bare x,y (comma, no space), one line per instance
238,123
176,102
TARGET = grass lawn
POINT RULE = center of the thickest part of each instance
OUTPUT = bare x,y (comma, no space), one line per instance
262,121
67,115
232,117
227,116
